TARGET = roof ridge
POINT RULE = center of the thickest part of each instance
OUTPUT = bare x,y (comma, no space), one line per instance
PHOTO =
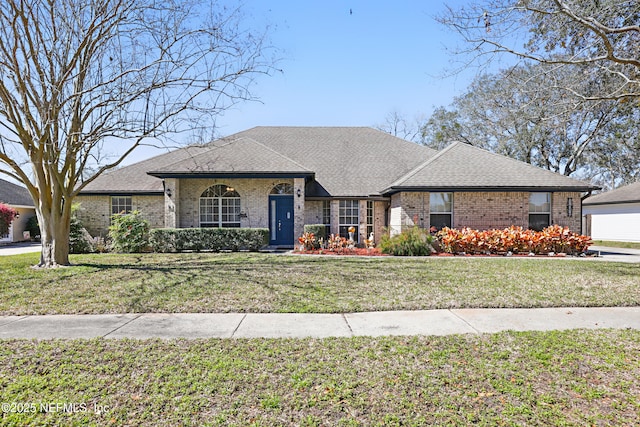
206,145
424,164
276,152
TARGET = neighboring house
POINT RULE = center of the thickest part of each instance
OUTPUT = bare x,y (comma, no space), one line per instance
614,215
19,199
282,178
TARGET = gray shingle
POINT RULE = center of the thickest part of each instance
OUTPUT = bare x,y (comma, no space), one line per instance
242,155
134,179
13,194
463,167
627,194
346,161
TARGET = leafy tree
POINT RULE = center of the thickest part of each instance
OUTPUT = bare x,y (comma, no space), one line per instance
519,112
80,76
7,214
601,35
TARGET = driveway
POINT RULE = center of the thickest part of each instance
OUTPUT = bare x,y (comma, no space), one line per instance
617,254
19,248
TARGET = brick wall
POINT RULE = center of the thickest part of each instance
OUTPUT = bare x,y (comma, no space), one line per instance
407,210
560,215
254,200
313,212
95,211
482,210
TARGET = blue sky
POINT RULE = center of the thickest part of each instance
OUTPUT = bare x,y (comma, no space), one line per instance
348,69
343,69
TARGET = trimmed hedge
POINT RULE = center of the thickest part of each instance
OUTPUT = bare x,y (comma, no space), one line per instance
208,239
318,230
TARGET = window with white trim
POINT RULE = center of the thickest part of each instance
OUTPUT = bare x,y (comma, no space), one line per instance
440,210
539,211
349,216
220,207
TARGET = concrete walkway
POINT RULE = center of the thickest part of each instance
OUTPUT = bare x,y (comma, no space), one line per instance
239,325
606,253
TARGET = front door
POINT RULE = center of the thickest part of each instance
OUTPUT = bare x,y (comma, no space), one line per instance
281,220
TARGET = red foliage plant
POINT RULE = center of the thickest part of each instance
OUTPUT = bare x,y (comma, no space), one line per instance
7,214
513,239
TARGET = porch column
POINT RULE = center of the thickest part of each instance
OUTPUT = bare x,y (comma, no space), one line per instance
298,208
362,220
335,217
171,203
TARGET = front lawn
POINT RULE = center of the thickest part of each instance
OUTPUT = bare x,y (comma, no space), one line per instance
573,378
205,282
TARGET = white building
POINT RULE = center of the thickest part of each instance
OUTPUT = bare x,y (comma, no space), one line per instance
19,199
614,215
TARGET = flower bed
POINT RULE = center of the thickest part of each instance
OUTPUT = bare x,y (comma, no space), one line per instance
343,251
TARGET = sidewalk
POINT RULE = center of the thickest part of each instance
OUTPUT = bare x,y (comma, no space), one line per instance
240,325
606,253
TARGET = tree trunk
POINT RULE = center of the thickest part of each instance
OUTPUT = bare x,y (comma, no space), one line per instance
54,234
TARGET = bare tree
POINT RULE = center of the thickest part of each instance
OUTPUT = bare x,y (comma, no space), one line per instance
78,76
398,125
601,35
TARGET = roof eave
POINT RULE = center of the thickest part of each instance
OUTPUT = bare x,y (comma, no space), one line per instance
622,202
252,174
476,189
121,192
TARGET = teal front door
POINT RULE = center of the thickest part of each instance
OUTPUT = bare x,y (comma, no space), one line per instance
281,220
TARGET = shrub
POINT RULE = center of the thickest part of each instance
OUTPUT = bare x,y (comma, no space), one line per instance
33,227
412,242
512,239
129,233
7,214
80,241
308,241
207,239
318,230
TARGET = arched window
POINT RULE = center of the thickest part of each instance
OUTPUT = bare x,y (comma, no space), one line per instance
282,189
220,207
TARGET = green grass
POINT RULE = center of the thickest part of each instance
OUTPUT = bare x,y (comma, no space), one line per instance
572,378
611,244
115,283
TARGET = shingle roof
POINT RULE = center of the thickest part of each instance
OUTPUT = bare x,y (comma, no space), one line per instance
13,194
134,179
239,156
346,162
627,194
464,167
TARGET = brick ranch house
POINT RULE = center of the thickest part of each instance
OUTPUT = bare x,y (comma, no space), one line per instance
282,178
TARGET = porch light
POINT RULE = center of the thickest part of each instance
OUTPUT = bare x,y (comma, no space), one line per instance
231,189
168,192
570,206
299,192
